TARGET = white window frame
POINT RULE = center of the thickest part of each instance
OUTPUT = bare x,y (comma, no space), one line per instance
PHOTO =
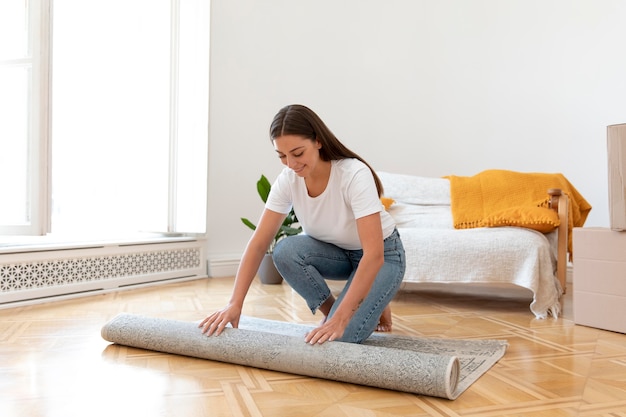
38,123
39,158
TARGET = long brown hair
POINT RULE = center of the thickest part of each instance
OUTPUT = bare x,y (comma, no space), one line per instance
297,119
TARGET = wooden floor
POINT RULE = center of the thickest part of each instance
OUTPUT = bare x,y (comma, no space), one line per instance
54,362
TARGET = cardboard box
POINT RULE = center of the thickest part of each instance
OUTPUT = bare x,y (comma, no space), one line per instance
600,278
616,148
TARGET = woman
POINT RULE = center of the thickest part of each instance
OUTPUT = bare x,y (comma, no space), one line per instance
347,235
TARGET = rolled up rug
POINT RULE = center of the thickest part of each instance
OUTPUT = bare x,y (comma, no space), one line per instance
389,362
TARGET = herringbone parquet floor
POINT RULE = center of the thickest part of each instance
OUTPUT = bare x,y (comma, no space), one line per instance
54,362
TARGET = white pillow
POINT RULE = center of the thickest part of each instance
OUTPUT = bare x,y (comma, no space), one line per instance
421,216
412,189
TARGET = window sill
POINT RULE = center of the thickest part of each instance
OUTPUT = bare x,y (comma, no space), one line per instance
23,244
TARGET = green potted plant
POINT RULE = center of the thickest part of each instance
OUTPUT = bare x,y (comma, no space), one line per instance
267,271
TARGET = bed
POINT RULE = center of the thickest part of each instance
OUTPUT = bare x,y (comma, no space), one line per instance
496,228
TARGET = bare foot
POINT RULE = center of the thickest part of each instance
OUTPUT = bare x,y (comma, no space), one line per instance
384,323
325,308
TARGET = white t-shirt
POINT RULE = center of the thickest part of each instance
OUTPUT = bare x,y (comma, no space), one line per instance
331,216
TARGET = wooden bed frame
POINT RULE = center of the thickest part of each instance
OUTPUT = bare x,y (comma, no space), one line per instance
559,202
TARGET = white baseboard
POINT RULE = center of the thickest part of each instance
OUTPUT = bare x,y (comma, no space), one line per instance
569,274
223,267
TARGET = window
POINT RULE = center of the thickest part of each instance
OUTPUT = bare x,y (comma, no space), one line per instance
129,118
23,117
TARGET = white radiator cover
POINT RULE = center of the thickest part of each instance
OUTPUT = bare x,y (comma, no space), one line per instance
32,275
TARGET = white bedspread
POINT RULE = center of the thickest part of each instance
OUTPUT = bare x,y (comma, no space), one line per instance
485,255
438,253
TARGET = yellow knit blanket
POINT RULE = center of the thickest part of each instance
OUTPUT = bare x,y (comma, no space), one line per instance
477,200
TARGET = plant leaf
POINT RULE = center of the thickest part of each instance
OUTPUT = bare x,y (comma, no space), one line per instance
263,186
290,231
248,223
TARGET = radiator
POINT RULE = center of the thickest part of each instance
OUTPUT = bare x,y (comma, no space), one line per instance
41,274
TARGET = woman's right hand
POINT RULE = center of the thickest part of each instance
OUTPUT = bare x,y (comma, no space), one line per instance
216,322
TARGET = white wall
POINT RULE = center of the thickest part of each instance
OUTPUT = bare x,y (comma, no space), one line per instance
429,87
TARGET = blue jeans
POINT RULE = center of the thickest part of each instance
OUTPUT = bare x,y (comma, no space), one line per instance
305,263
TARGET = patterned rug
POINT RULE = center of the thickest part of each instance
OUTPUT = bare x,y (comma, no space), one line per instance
427,366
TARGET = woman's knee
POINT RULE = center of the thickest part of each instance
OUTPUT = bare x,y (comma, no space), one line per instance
299,244
285,250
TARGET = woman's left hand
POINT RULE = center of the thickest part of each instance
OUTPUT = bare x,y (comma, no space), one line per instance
332,329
